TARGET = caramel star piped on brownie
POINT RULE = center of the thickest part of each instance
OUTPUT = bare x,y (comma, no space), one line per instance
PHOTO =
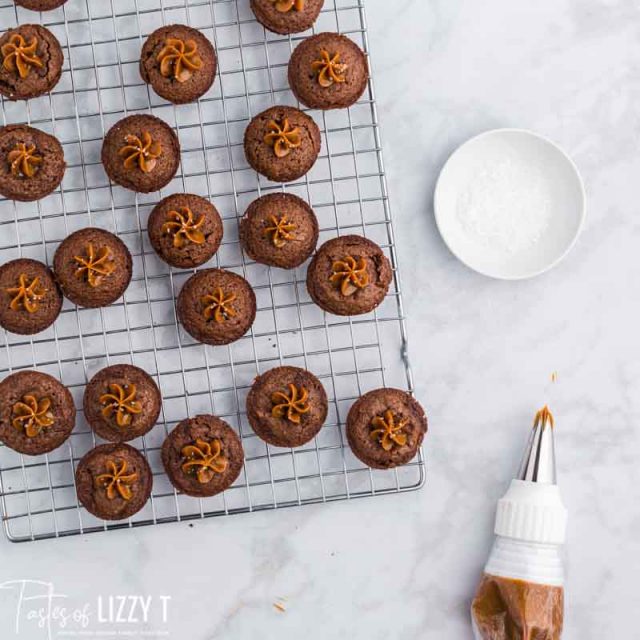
280,230
183,227
179,58
282,137
284,6
28,294
32,415
350,275
217,305
141,152
116,480
328,69
121,401
205,459
20,57
97,265
388,431
292,405
24,160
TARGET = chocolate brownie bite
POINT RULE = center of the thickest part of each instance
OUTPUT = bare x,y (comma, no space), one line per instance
328,71
202,456
216,306
30,299
286,16
141,153
40,5
93,267
37,413
121,402
179,63
113,481
385,428
31,163
31,62
282,143
280,230
185,230
349,276
287,406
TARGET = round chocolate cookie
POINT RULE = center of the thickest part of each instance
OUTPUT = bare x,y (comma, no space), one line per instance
216,306
37,413
280,230
179,63
328,71
202,456
349,276
286,16
385,428
141,153
31,62
40,5
30,300
121,402
31,163
93,267
113,481
185,230
282,143
287,406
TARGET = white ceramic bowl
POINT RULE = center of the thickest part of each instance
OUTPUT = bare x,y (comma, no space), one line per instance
509,204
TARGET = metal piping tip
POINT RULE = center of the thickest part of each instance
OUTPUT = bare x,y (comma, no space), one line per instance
539,460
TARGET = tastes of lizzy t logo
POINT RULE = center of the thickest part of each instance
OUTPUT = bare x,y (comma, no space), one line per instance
34,609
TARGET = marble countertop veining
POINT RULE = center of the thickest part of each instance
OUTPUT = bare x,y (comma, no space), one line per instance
406,566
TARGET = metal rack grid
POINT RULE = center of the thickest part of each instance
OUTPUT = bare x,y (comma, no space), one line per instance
347,189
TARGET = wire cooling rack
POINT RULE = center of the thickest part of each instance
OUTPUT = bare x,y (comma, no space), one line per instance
100,84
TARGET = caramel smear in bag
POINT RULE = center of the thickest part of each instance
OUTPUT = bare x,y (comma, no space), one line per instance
506,609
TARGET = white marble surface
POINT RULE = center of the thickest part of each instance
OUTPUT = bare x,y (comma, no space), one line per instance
483,352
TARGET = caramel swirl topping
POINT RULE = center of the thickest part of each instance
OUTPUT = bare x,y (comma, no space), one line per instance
205,459
97,265
32,415
389,432
120,400
179,58
284,6
24,160
144,153
282,137
291,405
116,480
350,275
329,69
183,227
26,294
20,56
218,305
280,230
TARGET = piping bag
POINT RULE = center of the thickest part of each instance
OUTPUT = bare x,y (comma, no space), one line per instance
521,594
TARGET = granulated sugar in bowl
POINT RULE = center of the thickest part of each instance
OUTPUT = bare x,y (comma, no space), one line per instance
509,204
